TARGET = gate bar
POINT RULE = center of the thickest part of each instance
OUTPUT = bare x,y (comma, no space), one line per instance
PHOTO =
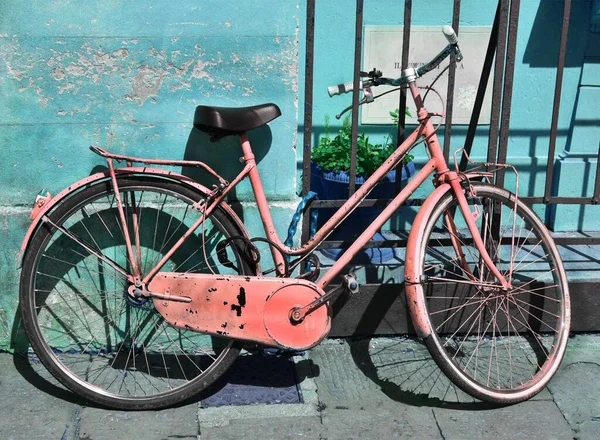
557,92
356,93
596,197
308,110
481,89
498,78
402,98
509,73
451,79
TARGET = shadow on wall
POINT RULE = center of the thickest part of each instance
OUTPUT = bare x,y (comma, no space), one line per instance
544,42
223,156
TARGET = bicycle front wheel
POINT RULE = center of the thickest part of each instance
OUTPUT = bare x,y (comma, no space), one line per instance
82,323
500,346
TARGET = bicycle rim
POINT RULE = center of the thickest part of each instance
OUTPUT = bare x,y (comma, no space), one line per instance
82,324
498,345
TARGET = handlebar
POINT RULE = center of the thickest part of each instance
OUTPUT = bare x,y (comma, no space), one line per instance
340,88
375,80
450,34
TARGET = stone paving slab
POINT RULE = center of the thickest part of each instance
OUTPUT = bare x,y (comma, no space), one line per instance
334,424
405,366
405,422
582,348
174,423
266,428
385,369
576,386
576,391
31,413
527,420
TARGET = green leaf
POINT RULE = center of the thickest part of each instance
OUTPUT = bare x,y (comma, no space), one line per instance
333,154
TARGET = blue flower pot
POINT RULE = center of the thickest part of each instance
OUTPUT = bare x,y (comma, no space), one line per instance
335,186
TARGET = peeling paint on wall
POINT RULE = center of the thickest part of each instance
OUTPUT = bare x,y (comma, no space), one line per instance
146,84
115,72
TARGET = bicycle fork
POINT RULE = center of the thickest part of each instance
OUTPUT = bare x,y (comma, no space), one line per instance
470,219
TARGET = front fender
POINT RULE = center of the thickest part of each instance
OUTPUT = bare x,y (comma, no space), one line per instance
412,276
154,172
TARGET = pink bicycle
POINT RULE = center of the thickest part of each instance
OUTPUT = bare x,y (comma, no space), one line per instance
139,286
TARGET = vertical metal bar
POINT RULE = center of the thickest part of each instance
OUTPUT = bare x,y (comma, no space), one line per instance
496,101
498,77
402,98
557,92
308,110
451,80
481,89
509,71
596,197
356,93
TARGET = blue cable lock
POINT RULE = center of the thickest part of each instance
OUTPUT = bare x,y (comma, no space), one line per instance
289,241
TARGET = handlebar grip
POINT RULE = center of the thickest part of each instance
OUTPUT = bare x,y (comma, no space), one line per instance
340,88
450,34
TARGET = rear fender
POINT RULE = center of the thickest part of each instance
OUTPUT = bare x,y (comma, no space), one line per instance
143,171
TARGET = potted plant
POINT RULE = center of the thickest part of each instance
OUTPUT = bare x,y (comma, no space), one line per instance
330,168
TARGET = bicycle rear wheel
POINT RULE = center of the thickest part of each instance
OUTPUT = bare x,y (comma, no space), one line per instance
498,346
81,322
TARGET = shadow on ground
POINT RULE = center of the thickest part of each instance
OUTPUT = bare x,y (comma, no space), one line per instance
401,366
259,370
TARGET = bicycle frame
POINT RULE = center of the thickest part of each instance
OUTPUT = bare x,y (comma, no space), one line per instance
436,164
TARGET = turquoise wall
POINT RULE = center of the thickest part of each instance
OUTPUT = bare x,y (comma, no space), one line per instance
127,76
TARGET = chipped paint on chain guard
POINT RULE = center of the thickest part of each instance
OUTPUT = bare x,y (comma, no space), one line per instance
243,307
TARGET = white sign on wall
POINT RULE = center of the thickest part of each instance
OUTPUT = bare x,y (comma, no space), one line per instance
383,50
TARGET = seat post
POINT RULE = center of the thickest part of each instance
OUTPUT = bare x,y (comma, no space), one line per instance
246,147
262,204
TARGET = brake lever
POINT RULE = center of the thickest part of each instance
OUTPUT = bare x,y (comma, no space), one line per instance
458,54
368,97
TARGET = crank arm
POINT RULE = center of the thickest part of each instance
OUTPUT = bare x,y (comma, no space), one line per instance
298,314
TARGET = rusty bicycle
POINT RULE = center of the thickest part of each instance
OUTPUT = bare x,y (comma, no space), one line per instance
140,286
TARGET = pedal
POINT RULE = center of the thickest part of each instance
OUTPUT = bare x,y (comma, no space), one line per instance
351,283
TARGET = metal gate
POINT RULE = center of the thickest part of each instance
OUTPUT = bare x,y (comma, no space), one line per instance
500,58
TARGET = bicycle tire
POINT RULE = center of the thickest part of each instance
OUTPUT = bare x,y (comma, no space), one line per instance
60,291
499,346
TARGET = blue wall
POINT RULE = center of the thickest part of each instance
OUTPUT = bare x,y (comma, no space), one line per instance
533,91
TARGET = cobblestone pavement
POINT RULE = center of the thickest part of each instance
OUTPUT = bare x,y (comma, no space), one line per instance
380,388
